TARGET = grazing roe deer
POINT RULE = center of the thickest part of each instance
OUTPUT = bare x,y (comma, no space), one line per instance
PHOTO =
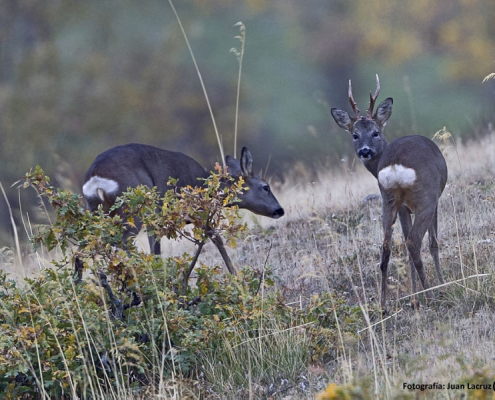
411,173
133,164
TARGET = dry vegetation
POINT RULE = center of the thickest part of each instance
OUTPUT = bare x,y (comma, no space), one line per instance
330,241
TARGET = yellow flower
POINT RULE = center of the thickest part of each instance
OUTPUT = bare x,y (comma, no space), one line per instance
329,393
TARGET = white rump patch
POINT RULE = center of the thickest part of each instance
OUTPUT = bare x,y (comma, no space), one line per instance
396,176
96,185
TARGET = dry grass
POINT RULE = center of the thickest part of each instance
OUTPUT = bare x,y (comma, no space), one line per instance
330,240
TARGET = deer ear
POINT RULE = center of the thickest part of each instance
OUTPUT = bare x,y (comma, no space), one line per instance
384,111
246,162
342,118
234,168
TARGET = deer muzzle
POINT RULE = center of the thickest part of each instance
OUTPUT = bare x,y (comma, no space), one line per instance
279,212
365,153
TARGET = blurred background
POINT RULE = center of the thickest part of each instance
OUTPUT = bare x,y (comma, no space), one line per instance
78,77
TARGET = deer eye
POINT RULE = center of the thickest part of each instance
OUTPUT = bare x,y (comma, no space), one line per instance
266,188
375,134
355,136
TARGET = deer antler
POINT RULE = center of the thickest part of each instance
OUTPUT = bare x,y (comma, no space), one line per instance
351,100
373,98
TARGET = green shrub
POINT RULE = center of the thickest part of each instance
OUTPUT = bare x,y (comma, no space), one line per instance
134,321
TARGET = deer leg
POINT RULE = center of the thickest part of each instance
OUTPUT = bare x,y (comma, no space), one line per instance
389,215
78,270
217,240
433,241
155,241
155,245
422,221
406,224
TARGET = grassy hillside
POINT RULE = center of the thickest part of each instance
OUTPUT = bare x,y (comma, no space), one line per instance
330,242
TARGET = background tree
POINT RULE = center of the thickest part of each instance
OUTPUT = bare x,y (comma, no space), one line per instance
78,78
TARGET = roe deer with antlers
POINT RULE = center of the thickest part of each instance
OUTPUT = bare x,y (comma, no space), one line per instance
131,165
411,173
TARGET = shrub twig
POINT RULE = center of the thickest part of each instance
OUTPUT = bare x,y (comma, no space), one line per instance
191,267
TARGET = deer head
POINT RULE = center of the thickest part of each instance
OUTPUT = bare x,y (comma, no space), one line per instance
259,198
367,132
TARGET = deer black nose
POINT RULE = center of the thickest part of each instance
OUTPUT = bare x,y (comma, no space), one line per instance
365,152
278,213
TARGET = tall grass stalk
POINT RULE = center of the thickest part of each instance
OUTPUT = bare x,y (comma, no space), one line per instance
60,347
239,54
220,144
283,356
14,229
488,77
28,229
444,135
82,341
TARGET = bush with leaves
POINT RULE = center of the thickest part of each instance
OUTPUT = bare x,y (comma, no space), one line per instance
134,320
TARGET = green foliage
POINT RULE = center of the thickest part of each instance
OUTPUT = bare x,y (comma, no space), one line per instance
100,236
126,325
